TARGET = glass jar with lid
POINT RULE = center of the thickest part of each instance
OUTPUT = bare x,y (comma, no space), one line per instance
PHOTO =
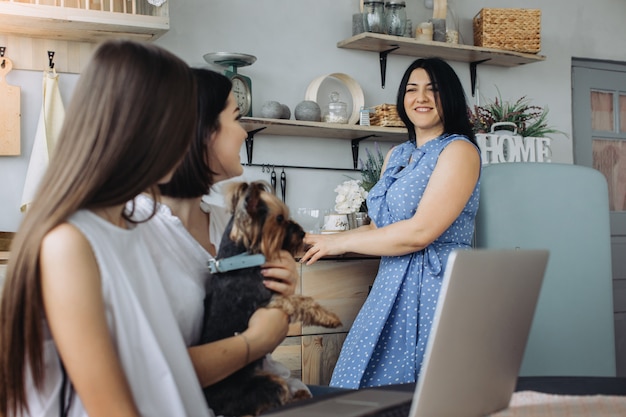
395,17
374,16
337,111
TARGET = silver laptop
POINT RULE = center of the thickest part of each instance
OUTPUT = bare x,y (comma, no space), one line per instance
479,333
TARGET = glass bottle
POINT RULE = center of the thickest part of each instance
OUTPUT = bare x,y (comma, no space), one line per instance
374,16
337,110
395,17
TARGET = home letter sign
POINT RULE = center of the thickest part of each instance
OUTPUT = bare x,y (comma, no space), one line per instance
496,148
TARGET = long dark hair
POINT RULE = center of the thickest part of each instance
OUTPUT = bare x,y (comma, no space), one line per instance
450,97
130,121
194,177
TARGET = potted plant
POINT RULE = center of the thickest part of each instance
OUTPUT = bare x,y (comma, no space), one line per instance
350,197
371,167
531,120
528,141
351,194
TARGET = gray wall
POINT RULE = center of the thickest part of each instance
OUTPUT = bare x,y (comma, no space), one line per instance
295,41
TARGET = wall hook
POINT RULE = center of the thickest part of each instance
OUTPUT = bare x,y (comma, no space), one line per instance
50,59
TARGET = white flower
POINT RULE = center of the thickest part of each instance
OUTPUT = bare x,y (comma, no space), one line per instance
350,197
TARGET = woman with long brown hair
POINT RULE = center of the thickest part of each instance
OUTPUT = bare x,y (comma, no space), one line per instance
85,327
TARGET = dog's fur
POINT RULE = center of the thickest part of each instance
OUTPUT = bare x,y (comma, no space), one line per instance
260,224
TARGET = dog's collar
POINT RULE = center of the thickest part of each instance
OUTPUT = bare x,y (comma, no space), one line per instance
233,263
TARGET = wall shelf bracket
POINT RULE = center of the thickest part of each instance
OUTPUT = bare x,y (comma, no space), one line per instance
473,66
250,142
355,149
382,57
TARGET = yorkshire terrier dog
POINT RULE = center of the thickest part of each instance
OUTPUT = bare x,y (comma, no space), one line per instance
260,224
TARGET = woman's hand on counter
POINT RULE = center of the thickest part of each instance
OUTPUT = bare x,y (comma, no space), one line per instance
320,246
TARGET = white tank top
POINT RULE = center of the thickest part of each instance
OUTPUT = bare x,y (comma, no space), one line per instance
144,330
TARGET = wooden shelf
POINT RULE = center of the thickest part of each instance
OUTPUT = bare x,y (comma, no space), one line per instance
300,128
29,30
474,55
75,24
377,42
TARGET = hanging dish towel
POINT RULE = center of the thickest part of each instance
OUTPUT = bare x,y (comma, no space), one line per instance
48,128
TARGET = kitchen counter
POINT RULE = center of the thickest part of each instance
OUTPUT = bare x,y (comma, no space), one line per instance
346,257
341,284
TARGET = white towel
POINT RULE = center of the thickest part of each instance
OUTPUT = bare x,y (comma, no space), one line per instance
48,128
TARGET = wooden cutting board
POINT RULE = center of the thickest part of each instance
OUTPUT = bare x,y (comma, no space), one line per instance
9,112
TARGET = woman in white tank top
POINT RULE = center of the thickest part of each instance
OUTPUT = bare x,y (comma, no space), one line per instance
86,324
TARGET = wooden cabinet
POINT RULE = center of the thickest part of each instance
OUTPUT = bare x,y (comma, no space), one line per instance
341,285
90,21
72,29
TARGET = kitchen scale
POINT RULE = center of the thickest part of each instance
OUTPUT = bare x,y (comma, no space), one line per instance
242,85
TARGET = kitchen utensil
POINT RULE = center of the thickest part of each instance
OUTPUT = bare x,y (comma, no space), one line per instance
283,184
273,180
9,111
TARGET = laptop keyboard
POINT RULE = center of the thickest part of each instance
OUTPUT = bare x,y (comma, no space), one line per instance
399,410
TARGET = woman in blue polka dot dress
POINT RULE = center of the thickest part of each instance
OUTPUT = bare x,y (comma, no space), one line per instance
422,208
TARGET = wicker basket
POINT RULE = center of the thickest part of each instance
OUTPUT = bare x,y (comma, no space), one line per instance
385,115
516,30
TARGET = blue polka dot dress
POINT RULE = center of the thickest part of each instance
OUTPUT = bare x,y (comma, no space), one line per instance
387,340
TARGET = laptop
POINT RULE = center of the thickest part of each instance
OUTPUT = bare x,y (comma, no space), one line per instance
475,350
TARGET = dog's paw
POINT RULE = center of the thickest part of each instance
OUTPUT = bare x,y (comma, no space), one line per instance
317,315
300,394
327,319
306,310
